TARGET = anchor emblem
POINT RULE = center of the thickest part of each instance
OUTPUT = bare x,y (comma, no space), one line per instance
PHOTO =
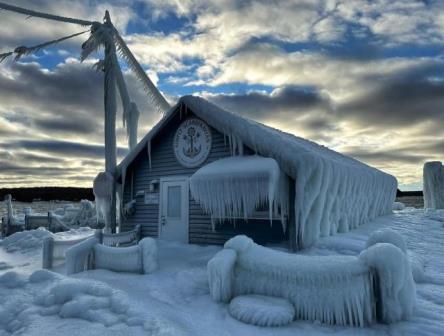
191,139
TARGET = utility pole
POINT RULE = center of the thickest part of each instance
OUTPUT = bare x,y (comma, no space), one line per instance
110,114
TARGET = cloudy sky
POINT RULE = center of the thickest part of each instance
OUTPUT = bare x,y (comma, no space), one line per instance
365,78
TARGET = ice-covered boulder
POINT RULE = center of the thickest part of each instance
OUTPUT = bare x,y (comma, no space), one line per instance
433,180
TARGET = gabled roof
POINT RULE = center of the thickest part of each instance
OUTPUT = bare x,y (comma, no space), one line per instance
267,141
333,192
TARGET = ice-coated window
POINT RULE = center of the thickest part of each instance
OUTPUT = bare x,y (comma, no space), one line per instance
174,202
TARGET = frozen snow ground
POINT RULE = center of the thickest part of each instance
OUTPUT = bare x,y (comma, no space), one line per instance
178,294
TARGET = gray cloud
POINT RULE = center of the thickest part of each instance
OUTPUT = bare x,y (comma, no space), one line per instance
65,148
287,103
402,99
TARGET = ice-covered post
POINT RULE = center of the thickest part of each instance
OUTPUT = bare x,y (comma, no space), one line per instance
433,180
110,116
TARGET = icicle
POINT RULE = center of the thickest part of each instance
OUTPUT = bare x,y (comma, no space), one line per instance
148,146
235,187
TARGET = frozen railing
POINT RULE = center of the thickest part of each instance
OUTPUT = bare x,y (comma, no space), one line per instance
120,239
89,254
54,249
344,290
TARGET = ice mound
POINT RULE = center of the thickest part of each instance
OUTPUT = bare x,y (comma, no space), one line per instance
387,236
433,180
397,206
387,254
26,299
433,214
260,310
25,241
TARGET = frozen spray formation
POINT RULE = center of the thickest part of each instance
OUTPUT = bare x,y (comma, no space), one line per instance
433,179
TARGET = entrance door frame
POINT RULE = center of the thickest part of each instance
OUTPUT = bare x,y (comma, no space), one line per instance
176,178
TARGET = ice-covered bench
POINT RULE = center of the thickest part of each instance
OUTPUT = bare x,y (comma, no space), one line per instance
90,254
345,290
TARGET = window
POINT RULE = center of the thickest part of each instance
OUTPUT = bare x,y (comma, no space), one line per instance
174,202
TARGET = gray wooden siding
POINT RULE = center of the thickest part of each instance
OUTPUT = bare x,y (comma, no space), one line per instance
164,163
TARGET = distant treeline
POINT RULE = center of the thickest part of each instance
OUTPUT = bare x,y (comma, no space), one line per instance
47,194
77,194
400,193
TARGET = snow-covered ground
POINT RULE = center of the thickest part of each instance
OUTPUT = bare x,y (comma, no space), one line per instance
175,299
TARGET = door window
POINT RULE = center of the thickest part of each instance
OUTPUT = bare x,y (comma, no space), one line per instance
174,202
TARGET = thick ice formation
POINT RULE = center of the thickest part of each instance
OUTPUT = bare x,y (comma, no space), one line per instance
386,252
11,217
54,247
103,189
331,289
220,275
333,192
75,216
263,311
395,281
235,187
89,254
433,180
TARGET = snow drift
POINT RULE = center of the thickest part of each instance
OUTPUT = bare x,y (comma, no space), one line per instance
25,299
433,180
333,192
331,289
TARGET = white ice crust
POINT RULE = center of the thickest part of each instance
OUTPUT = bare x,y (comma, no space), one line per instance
433,180
235,187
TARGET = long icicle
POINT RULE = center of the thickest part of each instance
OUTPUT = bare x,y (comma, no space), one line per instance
154,94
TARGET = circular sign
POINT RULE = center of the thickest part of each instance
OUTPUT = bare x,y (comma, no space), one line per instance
192,142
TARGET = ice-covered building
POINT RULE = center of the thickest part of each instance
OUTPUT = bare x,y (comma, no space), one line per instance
204,175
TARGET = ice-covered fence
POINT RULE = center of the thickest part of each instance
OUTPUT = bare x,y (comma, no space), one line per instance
120,239
90,254
343,290
433,180
54,249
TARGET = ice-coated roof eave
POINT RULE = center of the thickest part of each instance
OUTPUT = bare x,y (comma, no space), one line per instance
289,150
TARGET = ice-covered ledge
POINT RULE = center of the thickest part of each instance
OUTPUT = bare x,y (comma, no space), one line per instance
236,186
